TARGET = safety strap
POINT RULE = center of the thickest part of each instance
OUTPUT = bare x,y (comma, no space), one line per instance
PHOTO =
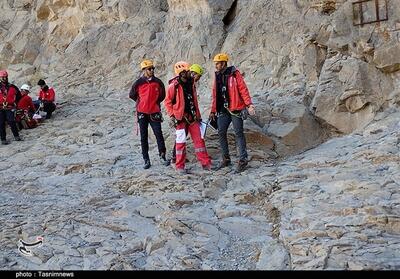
231,113
190,122
137,124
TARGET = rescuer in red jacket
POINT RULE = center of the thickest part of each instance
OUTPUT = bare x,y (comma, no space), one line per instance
46,99
182,107
26,103
148,92
25,109
8,93
231,102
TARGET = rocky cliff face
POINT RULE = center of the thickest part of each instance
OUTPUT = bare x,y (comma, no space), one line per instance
312,73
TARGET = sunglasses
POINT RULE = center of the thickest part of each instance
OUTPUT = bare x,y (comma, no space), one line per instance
150,69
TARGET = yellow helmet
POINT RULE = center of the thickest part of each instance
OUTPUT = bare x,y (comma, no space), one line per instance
146,63
181,66
197,69
221,57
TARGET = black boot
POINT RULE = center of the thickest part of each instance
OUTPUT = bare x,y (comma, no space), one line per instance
242,164
4,142
147,164
226,161
18,138
164,160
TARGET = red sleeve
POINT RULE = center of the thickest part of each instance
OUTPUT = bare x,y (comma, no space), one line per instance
243,90
31,105
52,95
214,97
162,92
11,94
40,95
169,99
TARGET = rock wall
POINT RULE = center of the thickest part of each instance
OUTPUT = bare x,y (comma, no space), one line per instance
303,60
312,74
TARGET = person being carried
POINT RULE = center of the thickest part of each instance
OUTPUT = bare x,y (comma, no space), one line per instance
183,109
148,92
8,95
46,99
231,102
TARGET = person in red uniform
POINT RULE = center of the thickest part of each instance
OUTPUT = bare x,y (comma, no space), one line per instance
25,109
183,109
8,93
148,92
46,99
26,103
196,72
231,102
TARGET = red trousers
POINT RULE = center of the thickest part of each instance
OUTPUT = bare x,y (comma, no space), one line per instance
199,144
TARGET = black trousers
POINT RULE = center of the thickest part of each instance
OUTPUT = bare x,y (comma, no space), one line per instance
144,121
9,116
48,107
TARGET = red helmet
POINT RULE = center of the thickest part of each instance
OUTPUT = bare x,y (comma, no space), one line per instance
181,66
3,73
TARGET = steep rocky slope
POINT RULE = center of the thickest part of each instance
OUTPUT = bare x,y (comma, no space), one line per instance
314,76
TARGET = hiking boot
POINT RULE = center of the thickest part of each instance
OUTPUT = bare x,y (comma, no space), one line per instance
4,142
164,160
226,161
18,138
207,167
173,160
147,164
181,171
241,166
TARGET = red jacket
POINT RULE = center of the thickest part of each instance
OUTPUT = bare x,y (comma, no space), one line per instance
175,101
48,95
239,96
7,96
26,103
148,95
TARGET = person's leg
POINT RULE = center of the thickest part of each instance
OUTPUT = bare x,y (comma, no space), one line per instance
144,141
240,138
13,125
36,104
3,126
199,145
157,130
180,146
224,120
173,153
49,108
241,143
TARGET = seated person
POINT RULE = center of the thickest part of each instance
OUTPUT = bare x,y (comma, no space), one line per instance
25,109
46,99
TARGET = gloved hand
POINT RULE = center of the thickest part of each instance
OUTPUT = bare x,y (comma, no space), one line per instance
211,116
173,122
41,105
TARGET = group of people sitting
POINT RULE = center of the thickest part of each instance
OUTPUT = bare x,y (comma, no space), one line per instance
231,103
17,108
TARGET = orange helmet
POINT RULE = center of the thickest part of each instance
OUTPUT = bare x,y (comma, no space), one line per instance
146,63
181,66
3,73
221,57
